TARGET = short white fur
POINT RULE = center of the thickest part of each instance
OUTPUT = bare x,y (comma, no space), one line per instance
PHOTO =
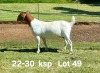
52,30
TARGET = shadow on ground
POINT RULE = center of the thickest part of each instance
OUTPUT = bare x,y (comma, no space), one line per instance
30,50
95,4
66,10
45,13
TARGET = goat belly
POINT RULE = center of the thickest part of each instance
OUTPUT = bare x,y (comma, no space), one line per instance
49,29
50,35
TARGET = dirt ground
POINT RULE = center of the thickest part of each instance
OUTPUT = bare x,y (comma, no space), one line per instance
81,31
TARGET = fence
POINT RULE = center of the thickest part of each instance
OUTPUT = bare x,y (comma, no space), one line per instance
50,12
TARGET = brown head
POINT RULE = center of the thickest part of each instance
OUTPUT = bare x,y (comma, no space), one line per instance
25,17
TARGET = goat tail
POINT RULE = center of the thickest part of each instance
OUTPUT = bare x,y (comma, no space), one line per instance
73,21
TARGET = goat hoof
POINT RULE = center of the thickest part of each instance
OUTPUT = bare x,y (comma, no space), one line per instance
71,52
38,52
64,48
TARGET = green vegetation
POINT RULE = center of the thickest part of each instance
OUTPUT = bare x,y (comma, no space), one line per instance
50,11
87,53
36,1
88,1
48,1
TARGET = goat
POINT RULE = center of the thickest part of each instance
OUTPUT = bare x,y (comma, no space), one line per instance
48,29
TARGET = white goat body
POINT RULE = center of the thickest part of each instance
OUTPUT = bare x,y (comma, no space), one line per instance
48,29
51,29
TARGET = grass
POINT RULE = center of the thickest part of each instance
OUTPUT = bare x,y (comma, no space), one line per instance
35,1
51,11
27,51
86,52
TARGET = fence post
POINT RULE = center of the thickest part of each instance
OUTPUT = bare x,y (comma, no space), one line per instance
38,9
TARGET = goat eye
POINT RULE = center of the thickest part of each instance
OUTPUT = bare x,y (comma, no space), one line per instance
21,17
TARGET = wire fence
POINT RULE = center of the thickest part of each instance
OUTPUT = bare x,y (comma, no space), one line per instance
50,12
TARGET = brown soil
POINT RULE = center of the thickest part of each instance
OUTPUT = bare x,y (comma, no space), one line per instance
81,31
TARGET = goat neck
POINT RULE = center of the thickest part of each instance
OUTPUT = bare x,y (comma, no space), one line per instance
29,18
